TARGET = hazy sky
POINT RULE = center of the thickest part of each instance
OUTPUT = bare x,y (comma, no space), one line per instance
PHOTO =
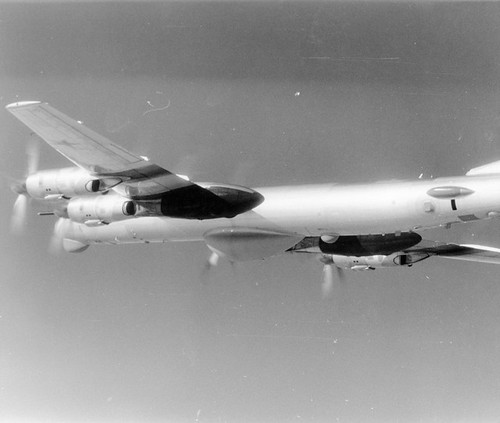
256,93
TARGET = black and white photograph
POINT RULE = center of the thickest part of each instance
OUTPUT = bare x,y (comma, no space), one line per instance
249,211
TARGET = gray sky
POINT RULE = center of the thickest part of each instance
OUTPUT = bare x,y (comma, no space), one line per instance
258,93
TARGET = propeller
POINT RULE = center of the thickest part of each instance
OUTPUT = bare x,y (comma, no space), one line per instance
56,241
19,214
329,278
18,218
210,264
33,155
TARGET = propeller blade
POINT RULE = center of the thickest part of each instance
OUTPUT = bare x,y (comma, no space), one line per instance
210,264
56,241
33,154
328,281
18,218
328,285
213,259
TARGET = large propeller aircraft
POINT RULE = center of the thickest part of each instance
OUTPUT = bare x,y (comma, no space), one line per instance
115,197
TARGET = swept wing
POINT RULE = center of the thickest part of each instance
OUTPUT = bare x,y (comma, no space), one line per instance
96,154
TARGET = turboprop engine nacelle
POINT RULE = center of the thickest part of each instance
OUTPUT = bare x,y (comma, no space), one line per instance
100,209
68,182
377,261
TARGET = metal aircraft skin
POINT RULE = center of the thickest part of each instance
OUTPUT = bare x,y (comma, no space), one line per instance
115,197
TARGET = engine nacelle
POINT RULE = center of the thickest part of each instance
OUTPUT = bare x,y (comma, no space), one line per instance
377,261
100,209
68,182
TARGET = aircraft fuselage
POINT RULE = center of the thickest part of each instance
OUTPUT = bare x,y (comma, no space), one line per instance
316,210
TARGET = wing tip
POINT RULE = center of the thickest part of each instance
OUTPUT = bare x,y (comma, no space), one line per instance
20,104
